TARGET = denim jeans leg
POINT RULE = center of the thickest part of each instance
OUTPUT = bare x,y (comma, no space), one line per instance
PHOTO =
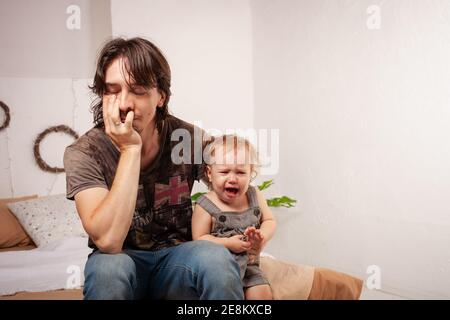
109,276
198,270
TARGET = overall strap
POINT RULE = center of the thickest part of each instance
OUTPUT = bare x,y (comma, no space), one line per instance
252,198
208,205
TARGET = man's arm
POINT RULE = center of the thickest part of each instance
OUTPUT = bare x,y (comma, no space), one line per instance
106,215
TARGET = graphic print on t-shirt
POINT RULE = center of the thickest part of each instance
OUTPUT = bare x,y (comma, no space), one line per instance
172,192
169,217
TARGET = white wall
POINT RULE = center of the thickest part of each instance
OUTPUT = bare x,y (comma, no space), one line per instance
36,104
209,47
43,39
365,122
44,75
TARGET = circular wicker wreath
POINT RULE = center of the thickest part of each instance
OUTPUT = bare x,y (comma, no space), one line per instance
5,109
37,155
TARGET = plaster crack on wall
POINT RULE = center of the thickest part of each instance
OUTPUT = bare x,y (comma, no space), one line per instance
75,104
11,186
74,119
49,190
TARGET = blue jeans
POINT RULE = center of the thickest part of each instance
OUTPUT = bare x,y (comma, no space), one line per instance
192,270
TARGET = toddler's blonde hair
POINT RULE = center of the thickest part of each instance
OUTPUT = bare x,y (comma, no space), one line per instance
232,142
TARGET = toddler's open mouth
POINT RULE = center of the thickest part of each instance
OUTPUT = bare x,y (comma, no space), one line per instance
231,191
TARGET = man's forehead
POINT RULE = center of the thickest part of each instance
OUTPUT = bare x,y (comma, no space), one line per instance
117,72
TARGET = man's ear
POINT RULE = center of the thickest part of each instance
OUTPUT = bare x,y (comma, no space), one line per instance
163,98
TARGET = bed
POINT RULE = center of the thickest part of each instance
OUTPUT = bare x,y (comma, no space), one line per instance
43,249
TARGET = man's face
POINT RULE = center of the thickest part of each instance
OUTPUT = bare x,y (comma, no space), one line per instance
141,100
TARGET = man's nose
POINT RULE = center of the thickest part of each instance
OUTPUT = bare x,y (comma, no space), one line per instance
125,102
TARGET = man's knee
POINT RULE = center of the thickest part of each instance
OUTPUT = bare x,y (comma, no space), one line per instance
209,254
212,270
110,276
218,266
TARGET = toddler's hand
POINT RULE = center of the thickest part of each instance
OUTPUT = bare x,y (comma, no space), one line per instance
256,239
237,245
254,236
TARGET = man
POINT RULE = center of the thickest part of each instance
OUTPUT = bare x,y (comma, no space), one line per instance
133,200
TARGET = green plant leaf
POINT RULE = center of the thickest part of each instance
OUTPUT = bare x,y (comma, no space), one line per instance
197,195
283,201
265,184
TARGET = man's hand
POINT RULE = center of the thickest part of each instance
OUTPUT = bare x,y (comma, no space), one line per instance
237,245
122,134
256,239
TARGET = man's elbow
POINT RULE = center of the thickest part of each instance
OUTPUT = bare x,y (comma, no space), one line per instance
108,246
104,242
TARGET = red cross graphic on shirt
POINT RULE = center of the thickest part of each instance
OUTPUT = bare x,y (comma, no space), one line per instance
173,192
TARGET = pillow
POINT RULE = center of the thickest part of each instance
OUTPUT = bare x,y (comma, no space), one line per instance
48,219
287,281
11,232
290,281
334,285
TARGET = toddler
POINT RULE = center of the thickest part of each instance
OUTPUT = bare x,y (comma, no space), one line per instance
234,213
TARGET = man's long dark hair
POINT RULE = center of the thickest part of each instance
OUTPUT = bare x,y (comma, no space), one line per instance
145,64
